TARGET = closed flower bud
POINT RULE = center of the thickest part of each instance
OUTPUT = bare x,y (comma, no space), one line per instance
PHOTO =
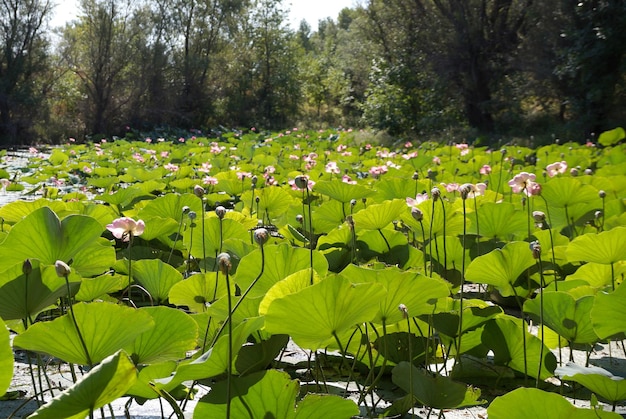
598,214
602,194
220,211
539,216
417,214
535,247
435,193
301,182
27,267
198,191
192,215
416,176
299,218
254,180
352,202
223,261
588,172
574,171
62,268
404,311
186,209
466,189
261,236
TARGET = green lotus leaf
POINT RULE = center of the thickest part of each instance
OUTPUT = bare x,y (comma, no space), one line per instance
612,137
446,320
379,216
157,227
313,316
566,315
498,221
125,197
291,284
258,356
607,313
501,267
342,191
95,288
157,277
102,385
328,215
314,406
16,210
561,192
524,403
552,239
396,188
23,296
403,346
272,202
172,336
600,381
503,336
607,247
214,362
417,292
104,214
145,386
170,206
41,235
105,328
142,175
265,394
6,359
198,290
452,223
216,236
278,262
434,390
449,251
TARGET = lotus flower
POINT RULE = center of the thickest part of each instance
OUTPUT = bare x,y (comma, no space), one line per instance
525,182
125,227
556,168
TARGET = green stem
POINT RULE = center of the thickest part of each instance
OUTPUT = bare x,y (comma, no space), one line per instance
540,320
80,335
230,348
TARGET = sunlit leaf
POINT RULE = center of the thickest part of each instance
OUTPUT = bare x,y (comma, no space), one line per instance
198,290
498,221
606,385
342,191
607,313
561,192
378,216
607,247
157,277
6,359
612,137
314,406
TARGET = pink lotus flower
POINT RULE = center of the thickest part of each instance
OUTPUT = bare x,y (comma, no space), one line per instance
331,167
347,179
451,187
524,182
556,168
296,186
171,167
419,198
485,170
210,180
125,227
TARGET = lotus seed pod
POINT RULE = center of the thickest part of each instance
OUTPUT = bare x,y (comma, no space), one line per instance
198,191
435,193
404,311
192,215
62,268
27,267
257,199
416,175
417,214
602,194
186,209
466,189
301,182
223,261
574,171
261,236
220,211
535,248
299,218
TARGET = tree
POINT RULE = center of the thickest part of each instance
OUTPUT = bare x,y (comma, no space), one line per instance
23,61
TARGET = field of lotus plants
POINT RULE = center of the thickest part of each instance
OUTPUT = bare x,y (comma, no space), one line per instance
438,276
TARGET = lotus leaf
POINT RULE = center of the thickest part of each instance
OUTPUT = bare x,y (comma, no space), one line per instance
293,283
126,197
379,216
341,191
607,313
600,381
562,192
499,221
156,277
313,316
612,137
105,328
6,359
170,206
607,247
314,406
217,235
197,291
102,385
524,403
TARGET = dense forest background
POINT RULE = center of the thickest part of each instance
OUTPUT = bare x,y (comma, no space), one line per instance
414,68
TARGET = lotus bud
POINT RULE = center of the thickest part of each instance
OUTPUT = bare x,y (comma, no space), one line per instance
435,193
588,172
574,171
364,200
466,189
257,199
602,194
62,268
535,247
254,180
198,191
404,311
261,236
299,218
301,182
350,222
417,214
352,202
192,215
27,267
223,261
539,216
416,176
598,214
220,211
186,209
503,151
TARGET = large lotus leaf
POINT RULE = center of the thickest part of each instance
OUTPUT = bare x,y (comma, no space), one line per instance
266,394
215,235
143,175
447,322
552,240
379,216
125,197
95,258
24,295
157,277
501,267
434,390
417,292
452,223
174,333
272,201
145,386
198,290
566,315
41,235
328,215
14,211
607,313
278,262
396,188
157,227
561,192
105,328
104,214
600,381
612,137
313,316
96,288
524,403
498,221
102,385
503,336
170,206
342,191
607,247
292,284
214,362
315,406
449,251
6,359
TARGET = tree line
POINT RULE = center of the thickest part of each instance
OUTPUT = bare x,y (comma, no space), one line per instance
405,67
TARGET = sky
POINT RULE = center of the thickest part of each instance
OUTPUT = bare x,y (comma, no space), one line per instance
311,10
